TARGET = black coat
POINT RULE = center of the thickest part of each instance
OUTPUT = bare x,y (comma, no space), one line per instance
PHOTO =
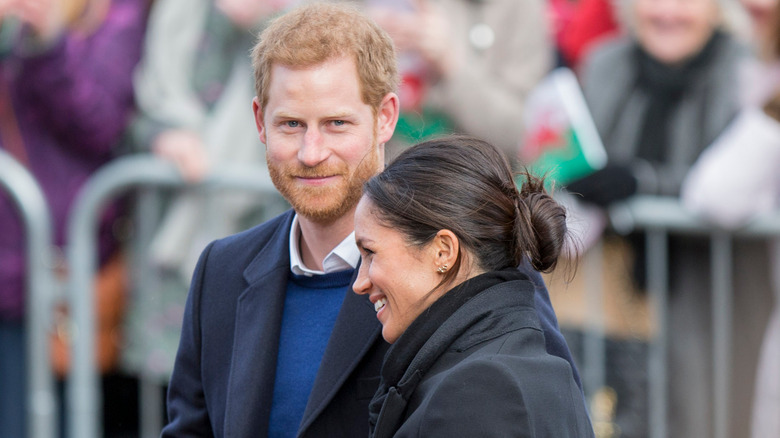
484,372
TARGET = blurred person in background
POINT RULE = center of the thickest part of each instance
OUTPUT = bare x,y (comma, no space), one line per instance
661,94
658,97
466,66
194,88
736,179
65,99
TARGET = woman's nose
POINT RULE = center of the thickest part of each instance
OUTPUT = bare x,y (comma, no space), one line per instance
362,284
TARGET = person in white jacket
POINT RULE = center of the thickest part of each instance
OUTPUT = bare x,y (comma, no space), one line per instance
736,180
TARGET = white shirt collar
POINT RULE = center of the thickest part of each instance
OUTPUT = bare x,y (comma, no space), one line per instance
344,256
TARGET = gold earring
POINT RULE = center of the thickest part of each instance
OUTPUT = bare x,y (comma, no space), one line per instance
442,269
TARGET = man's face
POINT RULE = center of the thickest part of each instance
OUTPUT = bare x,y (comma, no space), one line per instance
322,141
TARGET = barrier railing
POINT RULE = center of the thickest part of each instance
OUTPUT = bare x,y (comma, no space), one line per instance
113,179
659,217
26,193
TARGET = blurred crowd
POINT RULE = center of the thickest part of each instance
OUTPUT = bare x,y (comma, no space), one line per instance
684,94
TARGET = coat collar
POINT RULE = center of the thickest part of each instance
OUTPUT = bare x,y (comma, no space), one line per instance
274,255
479,319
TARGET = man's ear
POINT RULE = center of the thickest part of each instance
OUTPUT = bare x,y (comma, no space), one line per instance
445,246
387,117
258,112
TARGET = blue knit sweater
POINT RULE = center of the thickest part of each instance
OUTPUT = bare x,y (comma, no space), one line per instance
310,309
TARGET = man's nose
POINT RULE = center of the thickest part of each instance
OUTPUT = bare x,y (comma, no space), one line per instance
313,151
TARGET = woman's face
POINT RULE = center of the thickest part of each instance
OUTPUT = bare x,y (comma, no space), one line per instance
397,277
674,30
761,13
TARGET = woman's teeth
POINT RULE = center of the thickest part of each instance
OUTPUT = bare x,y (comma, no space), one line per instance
379,304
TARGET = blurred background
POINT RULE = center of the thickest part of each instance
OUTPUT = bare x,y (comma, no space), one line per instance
127,144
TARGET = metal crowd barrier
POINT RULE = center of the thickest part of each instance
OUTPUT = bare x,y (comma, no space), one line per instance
659,217
26,193
115,178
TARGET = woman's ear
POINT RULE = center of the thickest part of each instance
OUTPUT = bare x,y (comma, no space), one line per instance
445,246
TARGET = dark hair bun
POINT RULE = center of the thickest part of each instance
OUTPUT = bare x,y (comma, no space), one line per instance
541,224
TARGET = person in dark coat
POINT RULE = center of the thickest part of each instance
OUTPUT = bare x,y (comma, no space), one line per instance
441,231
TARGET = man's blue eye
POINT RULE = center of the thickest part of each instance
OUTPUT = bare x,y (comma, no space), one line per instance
293,124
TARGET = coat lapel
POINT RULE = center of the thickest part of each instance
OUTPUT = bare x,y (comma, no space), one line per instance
391,414
256,338
354,333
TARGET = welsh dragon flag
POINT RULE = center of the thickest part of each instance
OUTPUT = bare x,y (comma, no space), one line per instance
561,140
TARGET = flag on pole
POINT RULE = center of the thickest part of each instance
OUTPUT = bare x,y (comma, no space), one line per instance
561,139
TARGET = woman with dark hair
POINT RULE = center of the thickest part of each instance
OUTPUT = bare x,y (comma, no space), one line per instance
441,231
